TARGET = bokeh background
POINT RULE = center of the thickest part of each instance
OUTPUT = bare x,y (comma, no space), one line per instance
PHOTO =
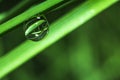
91,52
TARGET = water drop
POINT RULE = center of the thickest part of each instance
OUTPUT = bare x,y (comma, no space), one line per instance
36,28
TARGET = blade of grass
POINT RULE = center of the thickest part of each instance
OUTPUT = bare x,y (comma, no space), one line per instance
58,29
13,10
27,14
61,6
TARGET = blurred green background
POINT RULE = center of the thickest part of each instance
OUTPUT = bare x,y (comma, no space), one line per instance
91,52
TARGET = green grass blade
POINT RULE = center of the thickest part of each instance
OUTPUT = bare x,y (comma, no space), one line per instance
58,29
13,10
26,15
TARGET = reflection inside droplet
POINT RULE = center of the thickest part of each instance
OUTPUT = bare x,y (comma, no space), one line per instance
36,28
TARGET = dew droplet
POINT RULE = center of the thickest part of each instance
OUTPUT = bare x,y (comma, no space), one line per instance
36,28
